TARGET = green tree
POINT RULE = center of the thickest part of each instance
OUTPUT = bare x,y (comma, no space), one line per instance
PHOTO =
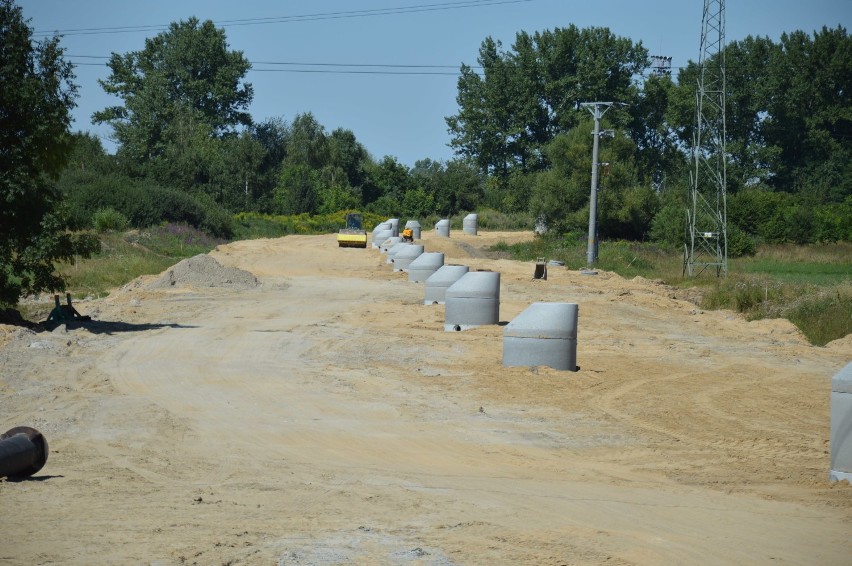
34,147
236,178
810,116
87,154
453,187
387,180
658,153
308,143
298,190
273,136
185,74
347,155
480,129
788,113
560,195
527,96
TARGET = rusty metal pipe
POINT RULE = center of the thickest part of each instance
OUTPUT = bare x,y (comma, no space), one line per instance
23,452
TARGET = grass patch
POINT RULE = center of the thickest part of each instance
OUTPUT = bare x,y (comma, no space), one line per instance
828,264
825,315
126,256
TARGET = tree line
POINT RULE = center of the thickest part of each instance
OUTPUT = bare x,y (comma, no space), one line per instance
187,149
788,116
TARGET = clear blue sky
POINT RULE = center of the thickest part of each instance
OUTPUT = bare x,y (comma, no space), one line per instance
391,114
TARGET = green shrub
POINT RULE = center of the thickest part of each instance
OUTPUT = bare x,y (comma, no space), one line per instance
109,219
142,204
740,244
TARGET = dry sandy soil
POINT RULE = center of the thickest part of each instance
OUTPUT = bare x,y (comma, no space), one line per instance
323,416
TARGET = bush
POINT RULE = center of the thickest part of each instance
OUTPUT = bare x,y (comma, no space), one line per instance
740,244
669,225
142,204
109,219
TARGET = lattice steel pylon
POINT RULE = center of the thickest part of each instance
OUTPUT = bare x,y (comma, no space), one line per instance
706,245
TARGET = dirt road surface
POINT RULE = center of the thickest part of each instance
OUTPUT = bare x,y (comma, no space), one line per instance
323,416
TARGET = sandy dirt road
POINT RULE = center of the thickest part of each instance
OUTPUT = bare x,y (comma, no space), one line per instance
325,417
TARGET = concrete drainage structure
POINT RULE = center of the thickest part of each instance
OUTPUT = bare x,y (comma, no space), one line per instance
545,334
469,224
389,243
415,228
472,301
841,425
443,228
395,249
381,233
438,283
405,256
394,222
424,265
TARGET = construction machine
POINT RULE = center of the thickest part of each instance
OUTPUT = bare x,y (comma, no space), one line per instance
407,235
353,235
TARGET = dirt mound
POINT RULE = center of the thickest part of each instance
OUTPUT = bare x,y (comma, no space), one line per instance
204,271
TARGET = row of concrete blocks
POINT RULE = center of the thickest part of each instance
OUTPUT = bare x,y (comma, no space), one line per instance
545,334
390,228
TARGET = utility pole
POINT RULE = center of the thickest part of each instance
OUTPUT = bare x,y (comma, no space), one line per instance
598,109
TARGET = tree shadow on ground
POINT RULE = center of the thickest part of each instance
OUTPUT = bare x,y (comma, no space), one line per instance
109,327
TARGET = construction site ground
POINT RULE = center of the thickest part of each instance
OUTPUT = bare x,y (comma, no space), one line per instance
320,414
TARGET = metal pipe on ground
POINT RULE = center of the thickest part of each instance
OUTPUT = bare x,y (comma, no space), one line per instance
23,452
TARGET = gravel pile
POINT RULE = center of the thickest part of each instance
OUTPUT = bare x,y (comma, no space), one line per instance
204,271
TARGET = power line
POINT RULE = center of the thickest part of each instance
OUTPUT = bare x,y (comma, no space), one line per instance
393,69
325,68
353,72
417,8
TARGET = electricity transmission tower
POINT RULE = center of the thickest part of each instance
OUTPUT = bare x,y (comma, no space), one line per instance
706,245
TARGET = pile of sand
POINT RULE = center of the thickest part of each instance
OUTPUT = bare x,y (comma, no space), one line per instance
204,271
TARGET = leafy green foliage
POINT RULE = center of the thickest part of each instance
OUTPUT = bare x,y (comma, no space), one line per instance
142,203
529,95
35,102
183,82
560,196
109,219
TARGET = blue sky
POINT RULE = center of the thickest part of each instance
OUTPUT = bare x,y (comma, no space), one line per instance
391,114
